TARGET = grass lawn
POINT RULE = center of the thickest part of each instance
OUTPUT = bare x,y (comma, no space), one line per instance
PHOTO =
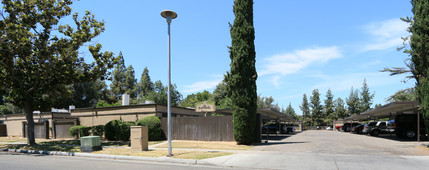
160,153
73,145
187,144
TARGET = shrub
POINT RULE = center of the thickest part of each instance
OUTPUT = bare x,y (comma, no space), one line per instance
79,131
154,127
118,130
111,129
97,130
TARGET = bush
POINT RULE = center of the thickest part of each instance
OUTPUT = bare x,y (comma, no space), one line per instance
118,130
97,130
79,131
154,127
111,129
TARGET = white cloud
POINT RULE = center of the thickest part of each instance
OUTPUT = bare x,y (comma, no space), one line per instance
343,82
290,63
275,81
201,85
385,34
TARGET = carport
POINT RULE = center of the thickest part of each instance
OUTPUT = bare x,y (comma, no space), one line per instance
265,115
389,111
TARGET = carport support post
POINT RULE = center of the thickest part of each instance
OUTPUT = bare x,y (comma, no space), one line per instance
418,126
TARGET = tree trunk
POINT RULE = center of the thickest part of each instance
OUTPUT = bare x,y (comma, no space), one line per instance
30,123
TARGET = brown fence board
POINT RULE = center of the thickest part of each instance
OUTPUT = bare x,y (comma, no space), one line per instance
216,128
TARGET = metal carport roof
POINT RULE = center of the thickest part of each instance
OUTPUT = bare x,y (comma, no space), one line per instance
388,110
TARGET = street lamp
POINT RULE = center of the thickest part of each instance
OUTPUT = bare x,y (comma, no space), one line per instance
169,15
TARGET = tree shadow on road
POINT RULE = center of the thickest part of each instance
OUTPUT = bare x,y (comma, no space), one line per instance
276,143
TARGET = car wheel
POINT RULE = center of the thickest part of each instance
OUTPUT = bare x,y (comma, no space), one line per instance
410,134
375,133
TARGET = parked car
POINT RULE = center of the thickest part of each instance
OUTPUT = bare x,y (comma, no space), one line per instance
368,127
382,127
274,128
347,127
329,128
406,126
357,129
291,128
338,127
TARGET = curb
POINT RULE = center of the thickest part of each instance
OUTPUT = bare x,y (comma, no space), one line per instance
121,157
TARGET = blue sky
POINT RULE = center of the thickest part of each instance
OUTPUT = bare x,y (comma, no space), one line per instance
300,45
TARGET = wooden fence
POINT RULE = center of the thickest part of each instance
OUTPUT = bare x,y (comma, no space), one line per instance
215,128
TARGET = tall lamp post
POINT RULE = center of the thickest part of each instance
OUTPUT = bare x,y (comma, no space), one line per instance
169,15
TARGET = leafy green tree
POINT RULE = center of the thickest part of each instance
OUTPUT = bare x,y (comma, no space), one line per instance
328,108
130,82
192,99
290,111
419,52
159,94
39,57
305,108
353,102
222,97
145,85
316,108
340,109
377,105
118,86
408,94
85,94
365,98
419,43
242,76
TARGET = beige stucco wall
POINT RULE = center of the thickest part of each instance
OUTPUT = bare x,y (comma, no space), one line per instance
103,119
116,110
14,127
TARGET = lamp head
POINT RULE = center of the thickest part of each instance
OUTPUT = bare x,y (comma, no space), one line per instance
169,15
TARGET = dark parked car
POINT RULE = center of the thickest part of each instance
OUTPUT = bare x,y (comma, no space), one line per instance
406,126
382,127
357,129
368,127
274,128
347,127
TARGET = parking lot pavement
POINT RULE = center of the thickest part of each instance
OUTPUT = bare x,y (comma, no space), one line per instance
334,142
330,150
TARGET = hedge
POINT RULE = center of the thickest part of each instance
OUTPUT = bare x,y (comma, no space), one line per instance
79,131
118,130
97,130
154,127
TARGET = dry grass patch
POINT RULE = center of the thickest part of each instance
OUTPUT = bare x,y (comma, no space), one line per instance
19,139
216,145
160,153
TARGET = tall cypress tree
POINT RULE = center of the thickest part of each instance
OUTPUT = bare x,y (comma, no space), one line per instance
366,98
242,77
419,42
316,108
130,82
328,109
353,102
305,110
118,86
145,85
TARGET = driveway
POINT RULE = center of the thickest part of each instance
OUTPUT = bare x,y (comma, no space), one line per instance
330,150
